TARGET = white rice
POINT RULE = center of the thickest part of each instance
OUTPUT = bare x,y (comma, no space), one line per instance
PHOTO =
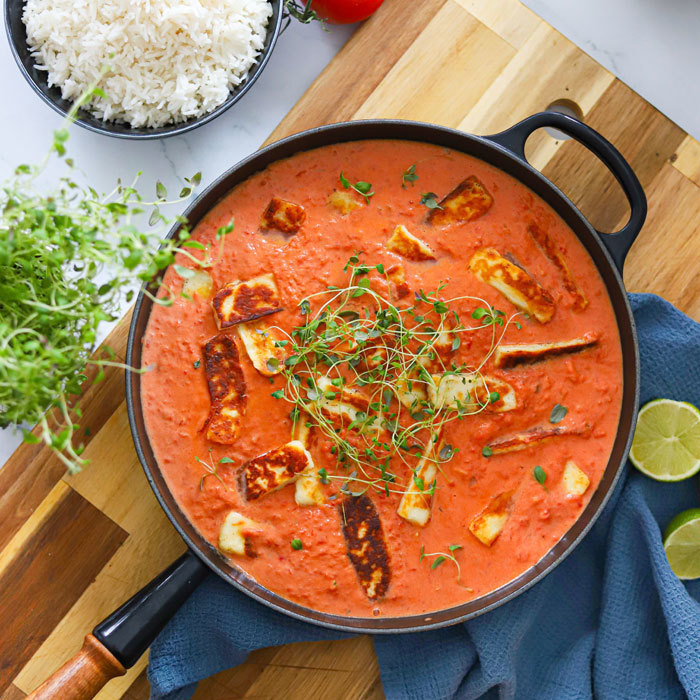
170,60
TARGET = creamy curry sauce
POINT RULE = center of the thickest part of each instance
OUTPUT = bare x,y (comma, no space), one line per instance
530,518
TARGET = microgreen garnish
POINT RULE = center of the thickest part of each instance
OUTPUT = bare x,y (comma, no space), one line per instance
539,474
196,364
486,451
354,339
488,317
303,12
210,470
297,544
69,257
409,175
362,188
558,413
430,200
441,557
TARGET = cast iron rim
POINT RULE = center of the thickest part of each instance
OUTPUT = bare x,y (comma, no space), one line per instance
522,171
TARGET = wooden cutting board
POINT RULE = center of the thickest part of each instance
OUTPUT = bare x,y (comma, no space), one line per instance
73,548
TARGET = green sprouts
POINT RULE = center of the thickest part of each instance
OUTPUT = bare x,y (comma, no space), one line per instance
359,352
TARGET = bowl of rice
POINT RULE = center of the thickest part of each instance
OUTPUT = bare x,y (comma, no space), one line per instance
163,67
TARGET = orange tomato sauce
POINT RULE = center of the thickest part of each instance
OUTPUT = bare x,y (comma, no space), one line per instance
176,399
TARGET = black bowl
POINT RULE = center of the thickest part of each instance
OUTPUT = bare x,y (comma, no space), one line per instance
17,35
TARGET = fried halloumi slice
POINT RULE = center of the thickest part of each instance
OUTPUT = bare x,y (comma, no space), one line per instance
488,524
417,501
240,302
533,437
227,390
259,340
344,201
275,469
198,283
524,354
404,243
283,215
468,201
308,487
411,391
574,479
345,407
396,274
235,534
365,544
513,282
469,391
550,249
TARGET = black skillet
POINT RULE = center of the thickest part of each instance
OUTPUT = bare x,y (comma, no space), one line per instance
123,637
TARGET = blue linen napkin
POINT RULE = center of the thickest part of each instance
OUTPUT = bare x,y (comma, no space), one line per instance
612,621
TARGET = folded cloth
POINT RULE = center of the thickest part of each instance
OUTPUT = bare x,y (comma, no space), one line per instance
612,621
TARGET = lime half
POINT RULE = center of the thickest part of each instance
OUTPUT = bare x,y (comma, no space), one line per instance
682,544
666,444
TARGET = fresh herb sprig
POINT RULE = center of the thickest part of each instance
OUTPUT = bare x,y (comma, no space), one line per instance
362,188
441,557
356,337
67,260
409,175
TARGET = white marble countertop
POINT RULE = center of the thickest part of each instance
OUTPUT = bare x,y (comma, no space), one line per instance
26,123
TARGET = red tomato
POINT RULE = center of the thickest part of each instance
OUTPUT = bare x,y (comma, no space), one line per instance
345,11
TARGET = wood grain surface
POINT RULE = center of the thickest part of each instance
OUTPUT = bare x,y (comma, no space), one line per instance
74,547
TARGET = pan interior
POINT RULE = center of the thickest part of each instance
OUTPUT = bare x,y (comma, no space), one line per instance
479,148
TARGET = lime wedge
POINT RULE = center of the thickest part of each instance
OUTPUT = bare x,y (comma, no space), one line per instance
666,444
682,544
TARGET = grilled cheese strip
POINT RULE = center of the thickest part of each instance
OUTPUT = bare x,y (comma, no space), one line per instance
550,249
235,534
411,391
513,282
227,390
365,544
489,523
437,359
470,391
513,355
467,202
198,283
404,243
275,469
240,302
344,201
574,480
259,341
283,215
532,438
345,407
415,505
308,487
396,274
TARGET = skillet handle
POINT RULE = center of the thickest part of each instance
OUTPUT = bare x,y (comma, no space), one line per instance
119,641
619,243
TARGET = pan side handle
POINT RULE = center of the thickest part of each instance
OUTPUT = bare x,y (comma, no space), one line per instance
120,640
618,243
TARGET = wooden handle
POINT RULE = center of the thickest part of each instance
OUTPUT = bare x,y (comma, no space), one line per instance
81,677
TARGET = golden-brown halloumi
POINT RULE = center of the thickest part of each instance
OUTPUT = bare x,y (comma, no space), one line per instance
396,274
344,201
259,340
411,391
550,249
275,469
528,353
240,302
513,282
235,534
488,524
227,390
574,480
345,407
470,391
467,202
416,502
533,437
365,544
198,283
283,215
308,487
404,243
